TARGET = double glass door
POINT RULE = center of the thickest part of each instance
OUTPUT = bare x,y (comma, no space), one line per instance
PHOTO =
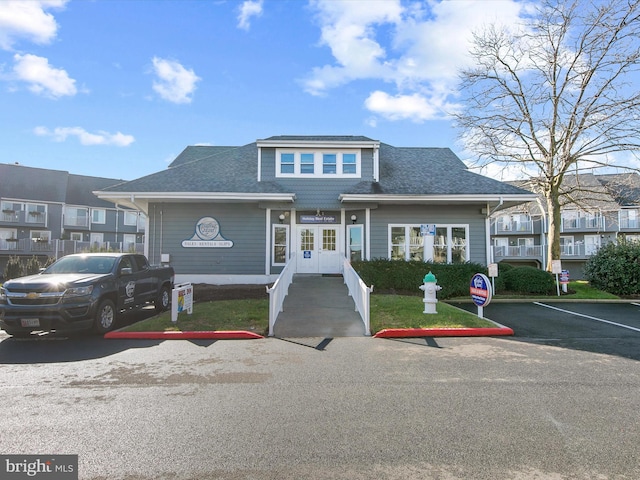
318,249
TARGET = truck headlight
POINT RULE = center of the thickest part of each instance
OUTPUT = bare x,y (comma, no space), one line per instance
78,291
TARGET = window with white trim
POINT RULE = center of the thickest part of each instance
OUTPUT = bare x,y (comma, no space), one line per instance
40,235
76,217
355,244
325,163
36,212
280,244
131,218
98,215
449,244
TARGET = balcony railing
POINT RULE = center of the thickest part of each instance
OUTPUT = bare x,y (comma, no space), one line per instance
60,248
520,251
578,250
629,223
22,217
513,227
583,223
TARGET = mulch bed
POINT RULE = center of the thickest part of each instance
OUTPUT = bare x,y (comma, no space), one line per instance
203,292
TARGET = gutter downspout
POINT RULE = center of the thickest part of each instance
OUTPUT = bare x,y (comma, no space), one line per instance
487,228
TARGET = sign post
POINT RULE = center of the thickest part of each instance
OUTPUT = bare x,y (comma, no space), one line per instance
181,300
480,290
493,273
556,269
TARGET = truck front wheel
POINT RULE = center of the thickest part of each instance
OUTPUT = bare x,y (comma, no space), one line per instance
105,316
163,300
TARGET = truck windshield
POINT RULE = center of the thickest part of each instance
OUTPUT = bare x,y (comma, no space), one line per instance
82,265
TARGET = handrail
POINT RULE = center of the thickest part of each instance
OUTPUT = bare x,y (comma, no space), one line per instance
360,293
279,290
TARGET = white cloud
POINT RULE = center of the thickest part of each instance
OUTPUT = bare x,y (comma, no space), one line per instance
400,107
248,9
417,48
28,20
60,134
348,29
175,83
42,78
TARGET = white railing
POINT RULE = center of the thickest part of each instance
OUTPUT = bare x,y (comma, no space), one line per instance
360,293
60,248
279,290
521,251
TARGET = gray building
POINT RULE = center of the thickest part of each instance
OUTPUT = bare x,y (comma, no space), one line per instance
49,213
595,210
238,214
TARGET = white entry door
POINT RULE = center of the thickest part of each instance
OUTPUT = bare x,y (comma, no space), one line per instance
318,249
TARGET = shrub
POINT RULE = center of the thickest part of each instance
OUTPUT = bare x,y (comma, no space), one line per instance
615,268
527,280
33,266
503,268
14,268
406,277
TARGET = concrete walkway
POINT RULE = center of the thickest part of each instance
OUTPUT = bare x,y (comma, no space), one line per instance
318,306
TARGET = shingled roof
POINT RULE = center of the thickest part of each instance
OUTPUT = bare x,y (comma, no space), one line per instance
403,171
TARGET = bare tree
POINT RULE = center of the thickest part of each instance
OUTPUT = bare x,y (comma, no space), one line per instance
556,94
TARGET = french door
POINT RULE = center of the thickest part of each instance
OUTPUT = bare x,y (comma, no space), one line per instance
318,249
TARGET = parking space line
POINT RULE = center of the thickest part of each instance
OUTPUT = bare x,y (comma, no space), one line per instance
588,316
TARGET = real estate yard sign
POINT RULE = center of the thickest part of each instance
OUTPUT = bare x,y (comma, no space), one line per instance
181,300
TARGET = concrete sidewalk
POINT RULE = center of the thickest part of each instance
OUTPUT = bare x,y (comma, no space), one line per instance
318,306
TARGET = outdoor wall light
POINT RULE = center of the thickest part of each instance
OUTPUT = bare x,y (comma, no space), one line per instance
354,218
281,217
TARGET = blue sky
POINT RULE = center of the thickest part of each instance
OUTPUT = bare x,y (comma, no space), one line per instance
118,88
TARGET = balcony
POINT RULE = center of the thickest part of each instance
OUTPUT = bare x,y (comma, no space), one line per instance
502,227
523,252
20,217
578,250
59,248
583,223
629,223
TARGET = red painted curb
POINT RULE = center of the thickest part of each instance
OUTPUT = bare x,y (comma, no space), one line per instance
173,335
443,332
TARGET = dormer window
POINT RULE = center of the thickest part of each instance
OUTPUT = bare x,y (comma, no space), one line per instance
326,163
287,164
307,163
329,163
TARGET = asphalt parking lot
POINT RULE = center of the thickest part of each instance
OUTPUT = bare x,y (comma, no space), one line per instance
612,328
556,401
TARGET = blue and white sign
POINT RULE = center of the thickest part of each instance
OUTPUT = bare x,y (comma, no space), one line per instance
207,234
428,229
318,219
306,254
480,290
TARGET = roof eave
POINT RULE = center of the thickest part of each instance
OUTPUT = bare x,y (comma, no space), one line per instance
502,200
136,199
297,143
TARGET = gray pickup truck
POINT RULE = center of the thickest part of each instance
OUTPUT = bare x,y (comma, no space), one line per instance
83,291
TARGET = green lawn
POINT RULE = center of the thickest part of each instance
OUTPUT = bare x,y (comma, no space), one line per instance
400,311
387,311
585,291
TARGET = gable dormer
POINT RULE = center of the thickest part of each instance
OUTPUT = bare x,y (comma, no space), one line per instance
323,157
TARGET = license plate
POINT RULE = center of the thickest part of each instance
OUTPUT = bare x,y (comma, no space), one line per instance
30,322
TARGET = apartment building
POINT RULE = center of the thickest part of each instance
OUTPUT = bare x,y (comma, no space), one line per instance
596,210
50,213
